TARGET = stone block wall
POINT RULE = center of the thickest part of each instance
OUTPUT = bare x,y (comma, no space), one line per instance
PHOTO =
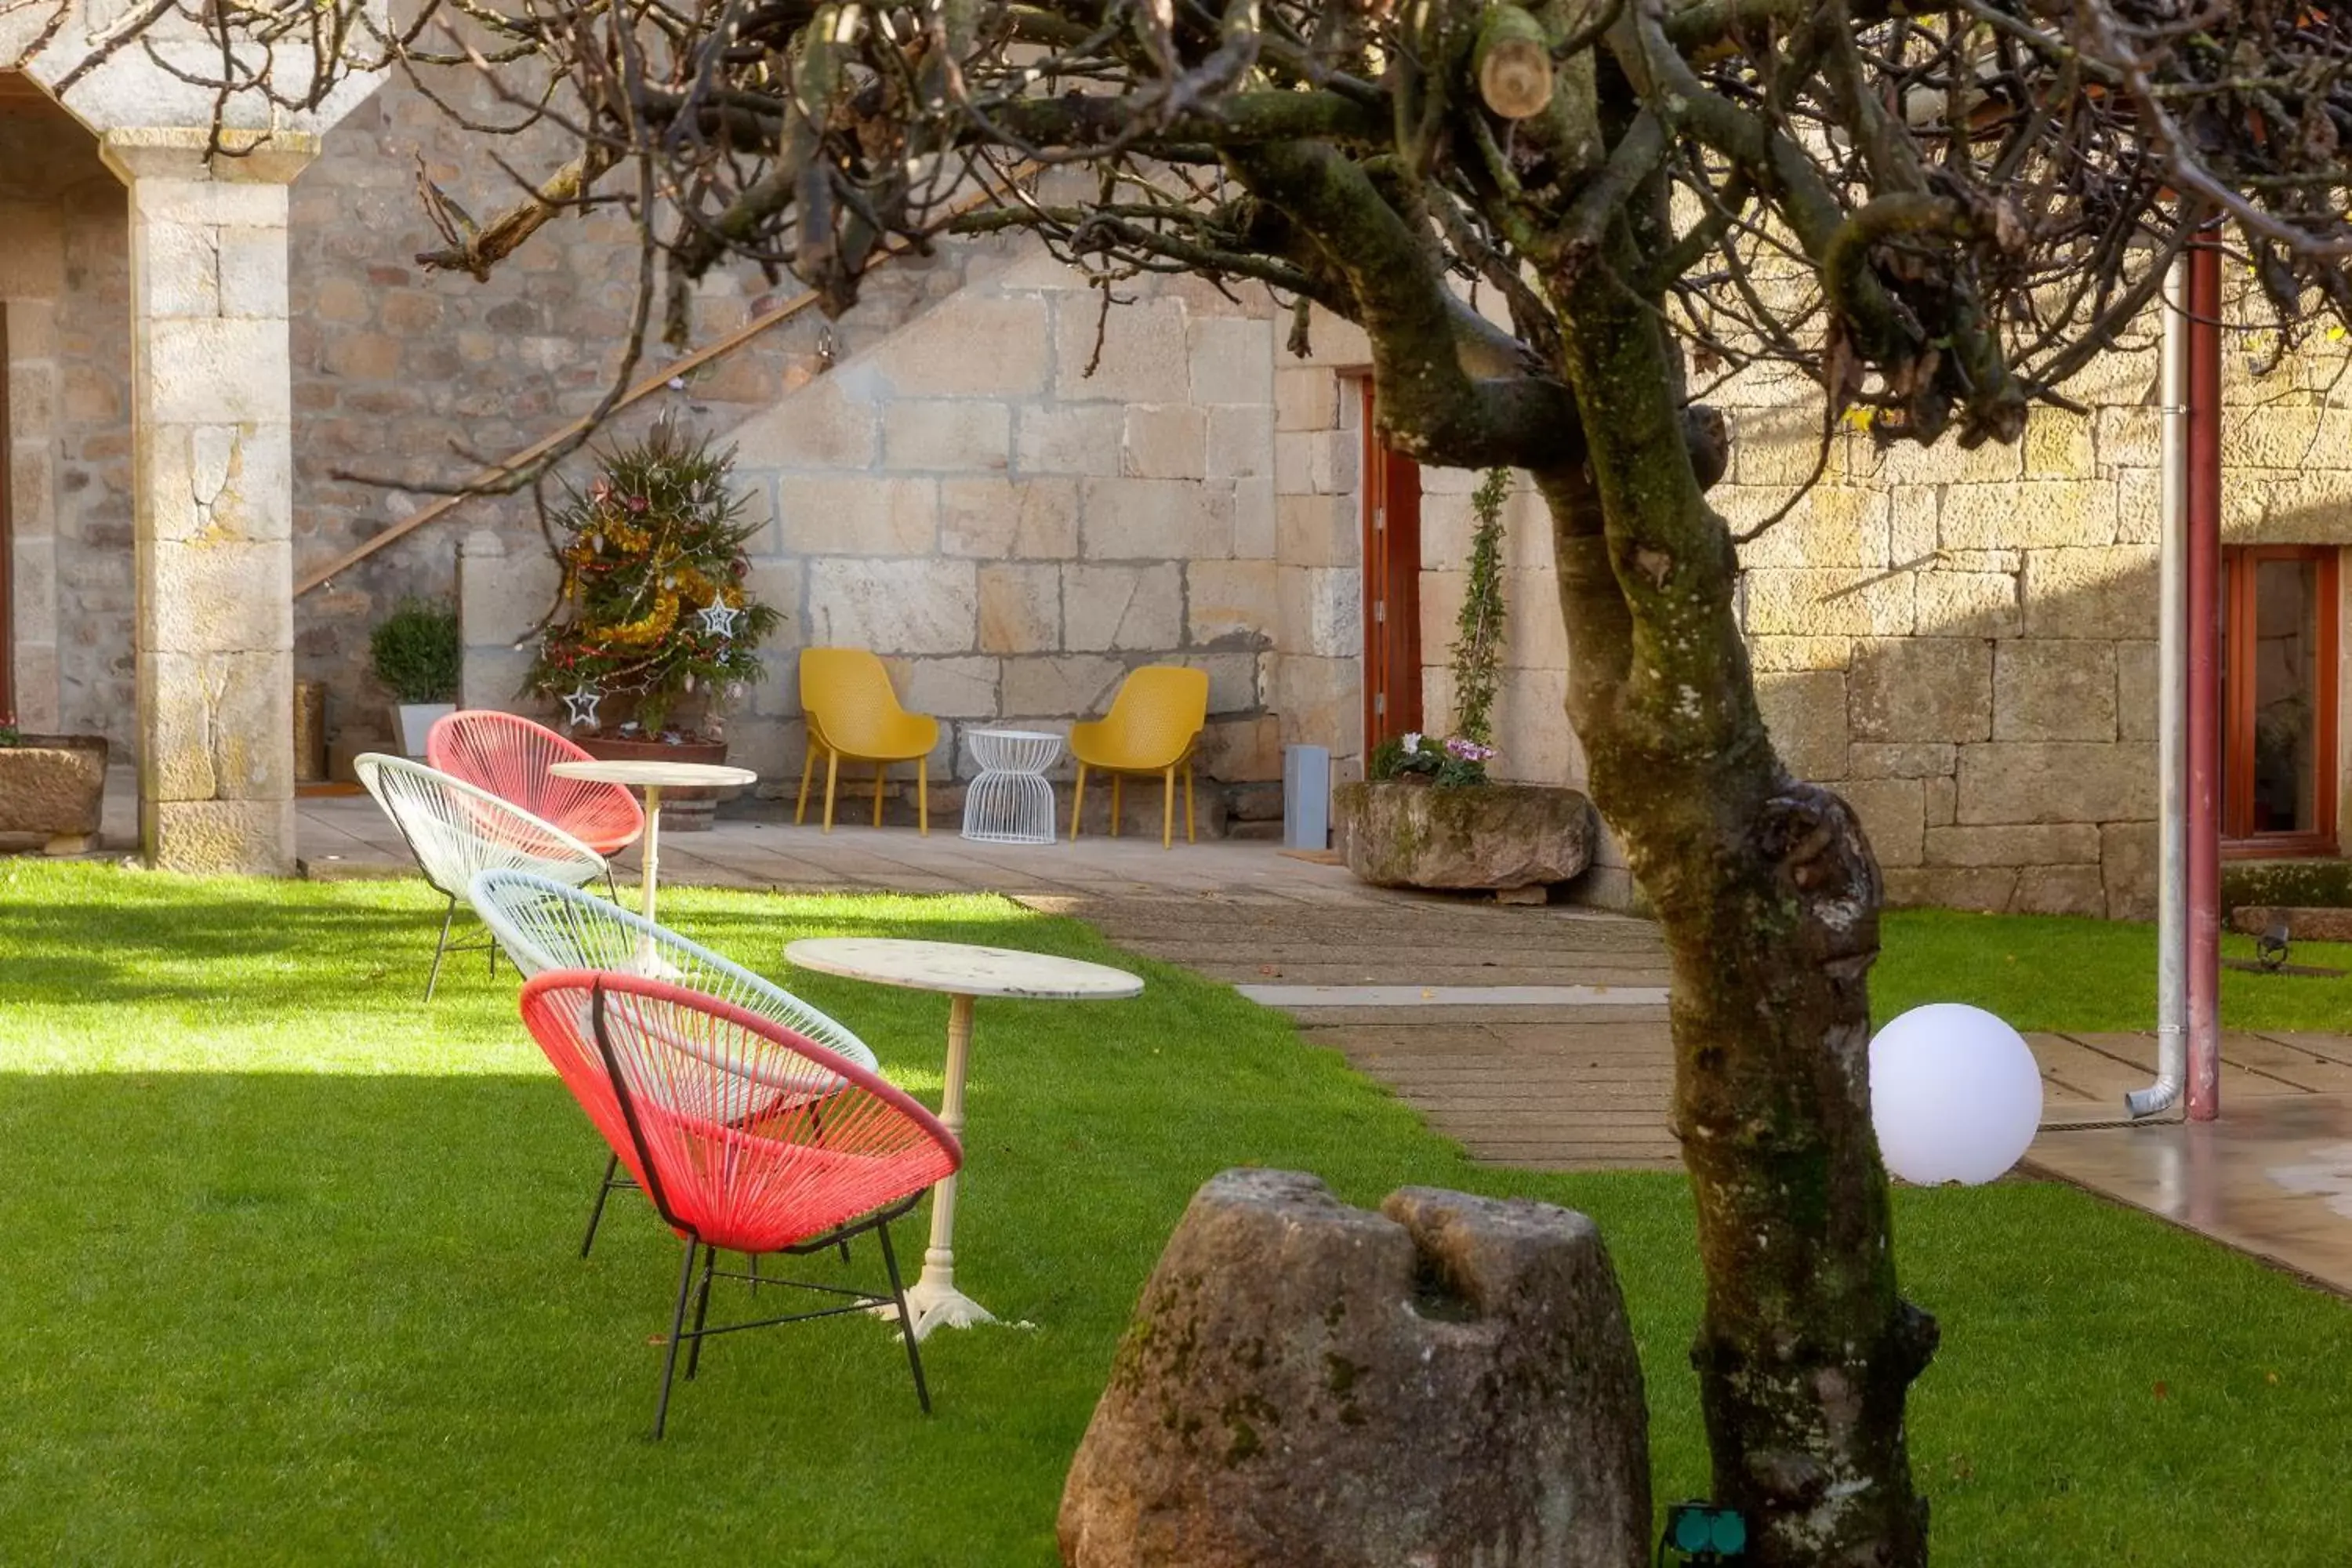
1963,642
1010,532
65,280
419,378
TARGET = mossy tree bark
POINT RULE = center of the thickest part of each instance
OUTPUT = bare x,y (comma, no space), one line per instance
1765,887
1768,896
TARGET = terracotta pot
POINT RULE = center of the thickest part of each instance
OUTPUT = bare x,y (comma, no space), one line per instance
53,787
683,810
1506,838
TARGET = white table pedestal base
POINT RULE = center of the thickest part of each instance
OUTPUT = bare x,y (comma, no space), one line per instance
963,973
935,1302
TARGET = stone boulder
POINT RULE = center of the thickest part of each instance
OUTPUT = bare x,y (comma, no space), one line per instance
53,788
1445,1384
1408,833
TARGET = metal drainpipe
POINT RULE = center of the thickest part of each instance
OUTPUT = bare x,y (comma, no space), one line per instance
2204,682
2172,695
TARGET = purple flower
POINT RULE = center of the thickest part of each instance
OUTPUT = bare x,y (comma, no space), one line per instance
1464,749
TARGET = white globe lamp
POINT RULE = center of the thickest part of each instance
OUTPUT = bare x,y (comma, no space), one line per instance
1954,1094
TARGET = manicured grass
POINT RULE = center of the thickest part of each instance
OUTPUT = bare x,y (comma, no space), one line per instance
291,1272
2048,972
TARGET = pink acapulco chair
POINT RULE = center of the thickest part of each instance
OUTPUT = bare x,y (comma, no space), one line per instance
748,1138
509,755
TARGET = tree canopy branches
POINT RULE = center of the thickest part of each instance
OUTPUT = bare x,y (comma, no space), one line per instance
1939,212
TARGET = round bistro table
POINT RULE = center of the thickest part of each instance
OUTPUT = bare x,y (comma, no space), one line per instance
653,778
964,972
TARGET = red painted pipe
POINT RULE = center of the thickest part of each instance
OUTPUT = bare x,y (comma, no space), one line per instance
2204,682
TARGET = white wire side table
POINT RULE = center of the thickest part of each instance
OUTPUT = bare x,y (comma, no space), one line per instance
1010,801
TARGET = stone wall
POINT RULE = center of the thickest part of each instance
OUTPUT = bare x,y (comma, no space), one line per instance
1013,534
1963,642
65,280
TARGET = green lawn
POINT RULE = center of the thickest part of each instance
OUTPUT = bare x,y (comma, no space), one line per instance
2048,972
291,1272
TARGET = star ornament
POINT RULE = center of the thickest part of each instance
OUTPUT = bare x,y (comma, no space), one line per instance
580,708
719,620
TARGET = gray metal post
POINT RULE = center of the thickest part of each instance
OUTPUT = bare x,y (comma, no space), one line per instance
1306,798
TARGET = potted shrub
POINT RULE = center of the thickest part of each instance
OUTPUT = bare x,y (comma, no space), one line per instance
1427,814
417,656
52,788
655,628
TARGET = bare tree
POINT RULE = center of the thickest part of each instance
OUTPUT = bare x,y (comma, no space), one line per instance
1936,212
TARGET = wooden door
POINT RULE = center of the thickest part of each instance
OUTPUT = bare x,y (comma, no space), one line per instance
1391,588
7,545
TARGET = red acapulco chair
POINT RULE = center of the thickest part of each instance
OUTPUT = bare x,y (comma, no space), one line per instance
748,1138
509,755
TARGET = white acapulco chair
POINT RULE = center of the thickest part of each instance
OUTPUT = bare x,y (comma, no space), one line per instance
544,924
454,830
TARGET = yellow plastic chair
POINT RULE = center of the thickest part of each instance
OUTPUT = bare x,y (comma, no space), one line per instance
852,712
1152,726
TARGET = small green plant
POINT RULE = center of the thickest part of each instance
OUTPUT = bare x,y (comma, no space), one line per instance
1478,639
416,653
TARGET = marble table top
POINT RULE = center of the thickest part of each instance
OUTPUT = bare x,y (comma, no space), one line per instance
658,775
961,970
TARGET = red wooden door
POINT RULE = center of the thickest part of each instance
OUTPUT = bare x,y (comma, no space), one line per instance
1391,588
7,545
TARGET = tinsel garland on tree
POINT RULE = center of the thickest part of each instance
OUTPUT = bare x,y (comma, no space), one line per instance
653,608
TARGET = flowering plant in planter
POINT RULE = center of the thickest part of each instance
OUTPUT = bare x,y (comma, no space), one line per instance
653,612
1451,763
1428,815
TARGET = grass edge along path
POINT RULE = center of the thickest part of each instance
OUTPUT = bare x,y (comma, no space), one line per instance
292,1273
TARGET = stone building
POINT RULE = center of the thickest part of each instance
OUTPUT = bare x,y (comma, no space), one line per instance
1963,642
960,476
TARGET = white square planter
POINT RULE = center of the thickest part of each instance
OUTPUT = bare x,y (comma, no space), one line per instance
416,721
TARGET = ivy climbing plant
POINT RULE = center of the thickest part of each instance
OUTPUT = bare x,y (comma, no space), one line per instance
1479,633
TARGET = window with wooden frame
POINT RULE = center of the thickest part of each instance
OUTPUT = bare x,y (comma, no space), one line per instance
2281,615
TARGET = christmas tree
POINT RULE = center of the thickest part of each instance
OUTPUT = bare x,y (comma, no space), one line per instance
654,611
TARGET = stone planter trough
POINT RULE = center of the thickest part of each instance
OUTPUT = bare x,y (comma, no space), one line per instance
1514,840
53,788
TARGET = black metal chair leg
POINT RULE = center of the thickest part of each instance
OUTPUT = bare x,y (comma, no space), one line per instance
676,1328
701,1312
440,947
604,1191
906,1319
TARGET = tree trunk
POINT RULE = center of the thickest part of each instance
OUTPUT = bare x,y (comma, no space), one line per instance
1769,898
